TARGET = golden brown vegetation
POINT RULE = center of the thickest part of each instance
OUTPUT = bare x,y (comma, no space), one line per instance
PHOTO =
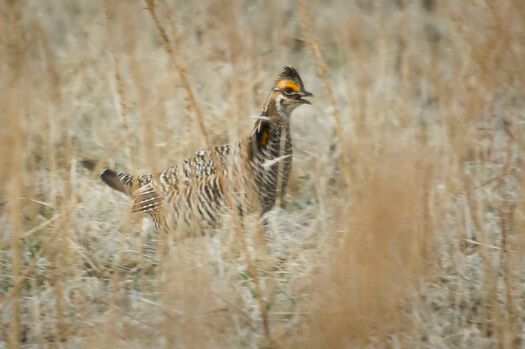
405,222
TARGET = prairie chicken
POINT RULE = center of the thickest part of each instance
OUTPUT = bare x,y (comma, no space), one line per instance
248,175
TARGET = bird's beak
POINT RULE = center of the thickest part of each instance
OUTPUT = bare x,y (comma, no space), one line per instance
305,94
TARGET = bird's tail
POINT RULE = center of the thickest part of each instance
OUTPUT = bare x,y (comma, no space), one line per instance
122,182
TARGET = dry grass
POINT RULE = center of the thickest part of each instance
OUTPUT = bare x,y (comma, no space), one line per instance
405,220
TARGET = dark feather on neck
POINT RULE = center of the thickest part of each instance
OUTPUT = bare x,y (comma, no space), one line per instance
270,109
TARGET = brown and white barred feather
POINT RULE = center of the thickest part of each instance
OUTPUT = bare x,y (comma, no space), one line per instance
272,162
191,194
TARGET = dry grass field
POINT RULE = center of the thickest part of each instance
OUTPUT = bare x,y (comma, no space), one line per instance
404,224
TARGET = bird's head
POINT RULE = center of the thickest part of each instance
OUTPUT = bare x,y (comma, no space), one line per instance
288,91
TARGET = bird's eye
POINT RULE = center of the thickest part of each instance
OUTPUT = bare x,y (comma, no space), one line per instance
288,91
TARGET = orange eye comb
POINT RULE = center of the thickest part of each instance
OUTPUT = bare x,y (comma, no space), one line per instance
288,83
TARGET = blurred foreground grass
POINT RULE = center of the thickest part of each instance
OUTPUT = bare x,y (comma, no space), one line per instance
405,222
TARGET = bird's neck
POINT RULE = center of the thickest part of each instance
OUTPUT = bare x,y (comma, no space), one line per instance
275,113
269,133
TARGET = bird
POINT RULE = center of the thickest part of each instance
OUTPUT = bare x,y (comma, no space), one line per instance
247,176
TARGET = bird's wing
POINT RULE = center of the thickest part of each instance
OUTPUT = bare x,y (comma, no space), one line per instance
147,199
